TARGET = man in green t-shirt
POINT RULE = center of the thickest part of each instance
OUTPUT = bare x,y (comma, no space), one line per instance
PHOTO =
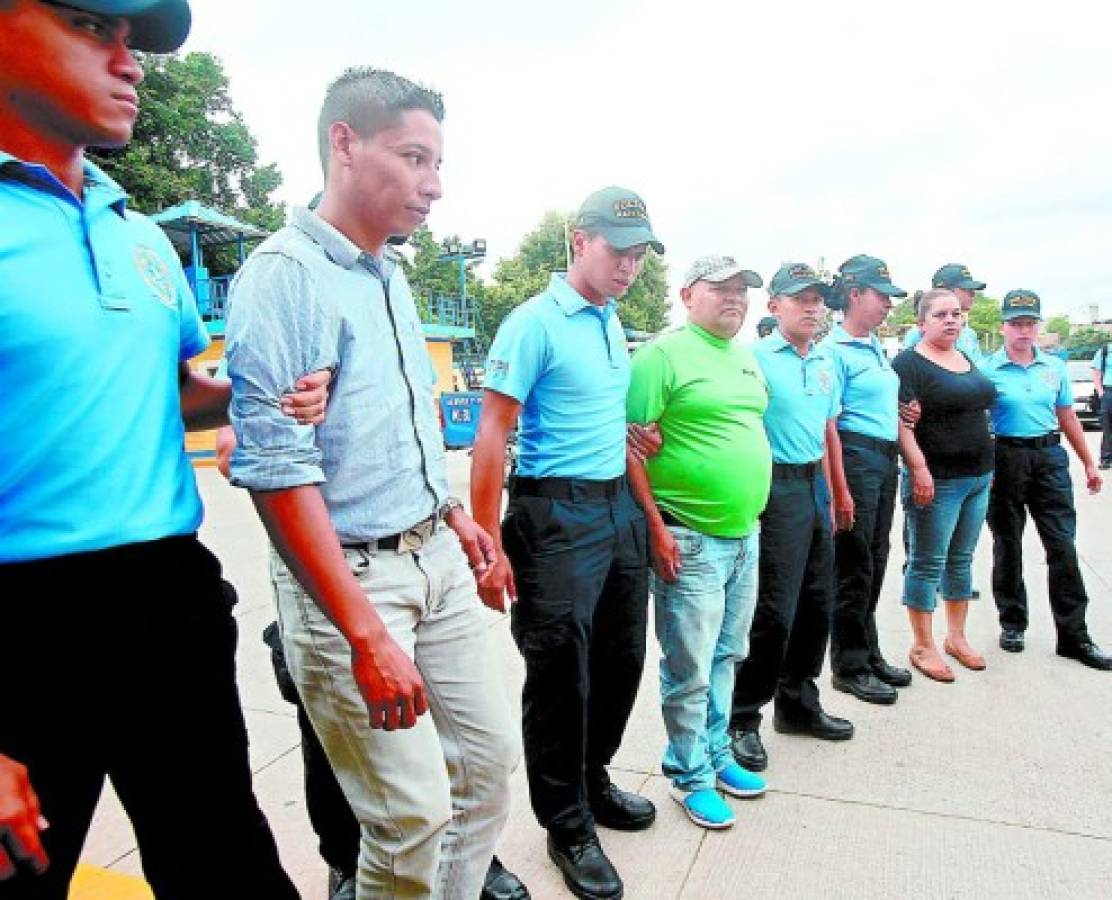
702,496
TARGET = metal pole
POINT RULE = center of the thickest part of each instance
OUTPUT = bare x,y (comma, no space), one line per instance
463,288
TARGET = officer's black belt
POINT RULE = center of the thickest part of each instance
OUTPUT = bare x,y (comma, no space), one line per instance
888,448
802,471
414,536
1032,443
566,488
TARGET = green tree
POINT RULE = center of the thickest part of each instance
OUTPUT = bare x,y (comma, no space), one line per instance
645,305
190,143
1087,336
1059,325
544,251
903,313
984,318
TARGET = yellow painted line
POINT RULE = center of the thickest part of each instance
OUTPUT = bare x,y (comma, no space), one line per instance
94,883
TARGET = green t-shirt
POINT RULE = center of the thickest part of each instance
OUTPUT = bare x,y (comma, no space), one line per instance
708,394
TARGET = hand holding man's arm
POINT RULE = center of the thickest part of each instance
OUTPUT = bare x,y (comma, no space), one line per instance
204,400
644,441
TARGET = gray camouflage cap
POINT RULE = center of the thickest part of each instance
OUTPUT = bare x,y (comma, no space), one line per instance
717,269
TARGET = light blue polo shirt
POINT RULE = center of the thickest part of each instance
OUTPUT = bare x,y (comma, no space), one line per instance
967,342
565,361
95,315
1027,397
1100,363
868,385
802,396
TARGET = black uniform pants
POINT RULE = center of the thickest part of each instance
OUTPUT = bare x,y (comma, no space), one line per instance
121,663
1036,480
791,624
861,554
580,563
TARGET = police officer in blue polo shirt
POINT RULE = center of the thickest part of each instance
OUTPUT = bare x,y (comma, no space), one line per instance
863,471
791,625
117,649
1033,408
955,277
573,534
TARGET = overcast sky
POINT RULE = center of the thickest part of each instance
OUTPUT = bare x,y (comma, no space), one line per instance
922,133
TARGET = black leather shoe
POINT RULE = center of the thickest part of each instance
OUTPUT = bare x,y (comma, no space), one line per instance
821,726
866,686
1089,654
614,808
1011,639
891,675
586,870
502,884
748,750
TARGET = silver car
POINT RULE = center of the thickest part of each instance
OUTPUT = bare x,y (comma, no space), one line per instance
1085,402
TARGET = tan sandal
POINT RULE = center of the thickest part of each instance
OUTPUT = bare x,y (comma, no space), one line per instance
918,658
970,658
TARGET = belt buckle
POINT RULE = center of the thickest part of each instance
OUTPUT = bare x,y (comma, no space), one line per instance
416,537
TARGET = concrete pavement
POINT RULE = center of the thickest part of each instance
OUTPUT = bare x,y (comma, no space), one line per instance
999,785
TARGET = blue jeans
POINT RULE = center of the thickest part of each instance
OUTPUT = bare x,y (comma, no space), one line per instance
702,623
942,537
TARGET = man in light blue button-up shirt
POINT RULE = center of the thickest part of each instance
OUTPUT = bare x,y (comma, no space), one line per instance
378,609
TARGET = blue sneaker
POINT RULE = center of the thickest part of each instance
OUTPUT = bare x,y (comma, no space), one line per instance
739,782
705,807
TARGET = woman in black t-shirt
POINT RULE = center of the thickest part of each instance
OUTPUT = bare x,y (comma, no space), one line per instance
945,486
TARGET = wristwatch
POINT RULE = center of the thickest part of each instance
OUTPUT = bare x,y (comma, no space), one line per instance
450,505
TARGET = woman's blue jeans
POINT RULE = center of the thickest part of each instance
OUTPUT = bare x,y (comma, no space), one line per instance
942,536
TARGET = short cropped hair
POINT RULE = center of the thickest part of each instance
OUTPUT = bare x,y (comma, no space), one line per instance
369,100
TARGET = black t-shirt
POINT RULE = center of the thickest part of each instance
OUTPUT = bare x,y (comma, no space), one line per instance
953,430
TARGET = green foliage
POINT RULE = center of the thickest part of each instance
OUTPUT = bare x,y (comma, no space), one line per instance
526,273
984,318
1086,337
544,251
903,313
1059,325
190,143
645,305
